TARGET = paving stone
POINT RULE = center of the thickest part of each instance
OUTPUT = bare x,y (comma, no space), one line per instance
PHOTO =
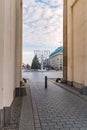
26,119
58,109
15,115
83,128
65,129
37,128
74,128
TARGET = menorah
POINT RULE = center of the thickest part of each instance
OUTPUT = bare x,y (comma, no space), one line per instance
42,55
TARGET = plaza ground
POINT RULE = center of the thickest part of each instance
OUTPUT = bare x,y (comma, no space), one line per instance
54,108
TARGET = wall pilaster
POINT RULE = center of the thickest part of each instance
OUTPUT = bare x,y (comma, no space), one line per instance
65,40
1,60
18,42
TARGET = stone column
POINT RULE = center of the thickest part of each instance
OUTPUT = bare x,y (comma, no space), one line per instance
18,41
65,40
21,16
69,44
9,57
1,59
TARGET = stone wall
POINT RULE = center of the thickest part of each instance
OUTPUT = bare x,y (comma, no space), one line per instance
1,51
18,55
76,42
10,53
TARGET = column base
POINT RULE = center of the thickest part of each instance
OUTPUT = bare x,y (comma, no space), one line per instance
70,83
1,118
7,115
21,91
80,87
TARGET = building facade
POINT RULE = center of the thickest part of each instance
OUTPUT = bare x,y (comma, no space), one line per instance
75,42
46,63
10,54
56,58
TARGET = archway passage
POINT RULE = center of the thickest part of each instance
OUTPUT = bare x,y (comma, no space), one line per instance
75,48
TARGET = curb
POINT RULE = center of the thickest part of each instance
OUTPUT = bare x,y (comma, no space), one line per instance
64,86
37,123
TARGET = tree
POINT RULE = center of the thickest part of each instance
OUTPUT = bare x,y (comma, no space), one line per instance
28,66
35,63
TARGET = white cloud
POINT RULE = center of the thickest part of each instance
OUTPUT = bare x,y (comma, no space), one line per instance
42,24
27,57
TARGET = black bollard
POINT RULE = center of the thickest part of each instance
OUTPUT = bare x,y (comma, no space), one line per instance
45,81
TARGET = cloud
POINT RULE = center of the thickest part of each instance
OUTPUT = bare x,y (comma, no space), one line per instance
42,24
27,57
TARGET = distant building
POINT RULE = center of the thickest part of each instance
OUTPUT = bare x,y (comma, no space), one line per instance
56,58
26,66
46,63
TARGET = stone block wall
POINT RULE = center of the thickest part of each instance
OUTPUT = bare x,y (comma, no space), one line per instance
10,54
76,41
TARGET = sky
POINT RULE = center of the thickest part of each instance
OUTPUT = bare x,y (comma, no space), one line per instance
42,26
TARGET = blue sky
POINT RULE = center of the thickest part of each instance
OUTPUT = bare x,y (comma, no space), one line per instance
42,26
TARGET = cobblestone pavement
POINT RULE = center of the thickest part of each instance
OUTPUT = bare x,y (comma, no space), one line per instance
26,118
57,109
15,114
